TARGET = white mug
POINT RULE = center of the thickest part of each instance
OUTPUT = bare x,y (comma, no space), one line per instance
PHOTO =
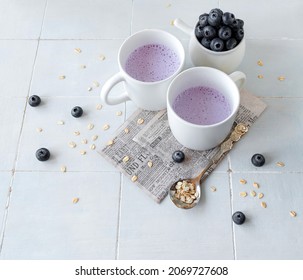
226,61
204,137
146,95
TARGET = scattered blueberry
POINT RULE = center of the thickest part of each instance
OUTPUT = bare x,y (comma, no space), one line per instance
42,154
203,20
224,32
217,44
214,19
206,42
209,32
34,100
258,160
178,156
77,112
199,32
228,18
238,218
231,43
239,34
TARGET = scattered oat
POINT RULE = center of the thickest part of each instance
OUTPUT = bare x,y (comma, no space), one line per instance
150,164
98,106
110,142
77,133
89,88
213,189
63,168
260,76
260,195
94,137
243,181
293,213
253,193
281,78
75,200
82,152
263,204
140,121
84,141
96,84
62,77
125,159
260,62
172,22
72,144
39,129
101,57
93,147
280,164
77,50
134,178
243,194
168,5
256,185
106,127
90,126
126,130
60,122
82,66
119,113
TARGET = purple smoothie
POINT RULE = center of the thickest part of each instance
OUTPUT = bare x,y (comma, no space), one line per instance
151,63
202,106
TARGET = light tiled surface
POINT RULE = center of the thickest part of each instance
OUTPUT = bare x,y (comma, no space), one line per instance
114,219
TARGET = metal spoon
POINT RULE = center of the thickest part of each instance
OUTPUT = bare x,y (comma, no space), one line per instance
235,136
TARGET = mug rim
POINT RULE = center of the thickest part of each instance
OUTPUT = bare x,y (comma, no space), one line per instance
182,58
201,69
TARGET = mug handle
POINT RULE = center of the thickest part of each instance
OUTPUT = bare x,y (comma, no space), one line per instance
107,87
239,78
180,24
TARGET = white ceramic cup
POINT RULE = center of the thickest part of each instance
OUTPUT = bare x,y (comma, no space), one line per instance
226,61
204,137
146,95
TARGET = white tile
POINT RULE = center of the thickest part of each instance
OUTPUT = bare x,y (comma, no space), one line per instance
279,58
44,223
12,110
21,19
163,231
277,135
266,19
159,14
5,180
87,19
17,61
269,233
56,137
58,58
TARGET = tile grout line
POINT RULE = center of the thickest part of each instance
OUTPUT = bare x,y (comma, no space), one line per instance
132,17
231,207
2,234
119,218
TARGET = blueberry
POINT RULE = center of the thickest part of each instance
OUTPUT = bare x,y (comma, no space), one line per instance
199,32
229,19
217,10
203,20
214,19
34,100
239,34
209,32
258,160
231,43
178,156
217,44
238,218
224,33
240,23
42,154
77,112
206,42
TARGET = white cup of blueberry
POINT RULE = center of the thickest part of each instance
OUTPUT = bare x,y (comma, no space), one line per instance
216,41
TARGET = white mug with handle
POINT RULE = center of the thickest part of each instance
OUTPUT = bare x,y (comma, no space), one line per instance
146,95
